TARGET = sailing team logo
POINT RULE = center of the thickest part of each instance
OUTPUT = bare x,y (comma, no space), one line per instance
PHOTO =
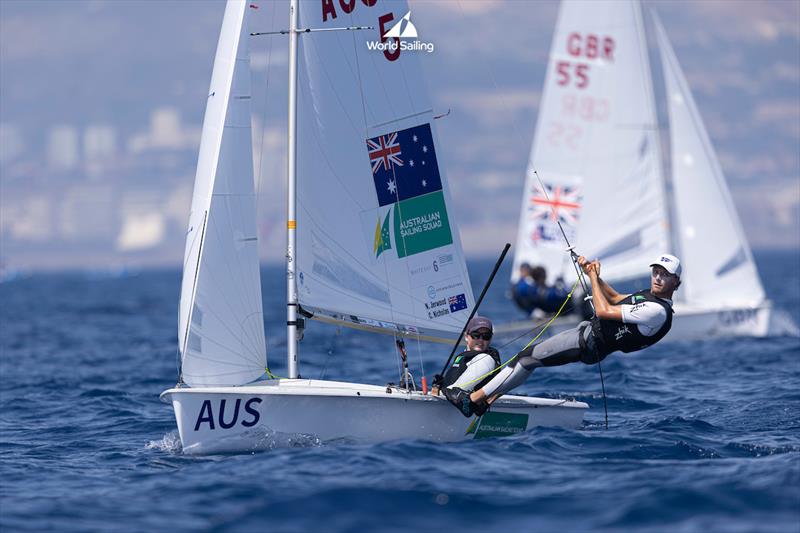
548,205
383,237
392,39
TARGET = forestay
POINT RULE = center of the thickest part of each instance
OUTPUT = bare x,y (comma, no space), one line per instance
377,242
596,147
221,330
717,255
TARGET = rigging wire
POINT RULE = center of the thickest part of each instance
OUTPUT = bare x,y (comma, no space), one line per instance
571,249
582,279
547,325
535,327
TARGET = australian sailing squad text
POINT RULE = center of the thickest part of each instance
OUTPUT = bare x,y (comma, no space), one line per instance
414,225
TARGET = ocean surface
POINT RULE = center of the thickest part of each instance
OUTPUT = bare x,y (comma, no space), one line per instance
702,436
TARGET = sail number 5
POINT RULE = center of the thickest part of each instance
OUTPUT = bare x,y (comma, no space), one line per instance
587,46
568,71
347,6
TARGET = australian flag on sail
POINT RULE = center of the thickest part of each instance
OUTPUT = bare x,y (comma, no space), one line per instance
457,302
404,164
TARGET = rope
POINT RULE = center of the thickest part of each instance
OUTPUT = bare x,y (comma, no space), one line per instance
547,325
269,373
603,386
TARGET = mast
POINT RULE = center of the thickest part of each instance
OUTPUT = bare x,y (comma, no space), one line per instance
291,201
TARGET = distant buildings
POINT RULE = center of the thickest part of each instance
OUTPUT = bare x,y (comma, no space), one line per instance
62,148
166,133
83,193
99,149
96,194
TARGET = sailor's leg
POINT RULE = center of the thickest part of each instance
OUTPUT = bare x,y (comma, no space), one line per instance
558,350
510,376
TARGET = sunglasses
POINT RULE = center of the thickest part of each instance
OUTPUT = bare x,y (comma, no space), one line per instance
662,273
484,336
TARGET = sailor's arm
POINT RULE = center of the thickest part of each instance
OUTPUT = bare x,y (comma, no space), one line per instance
602,307
608,291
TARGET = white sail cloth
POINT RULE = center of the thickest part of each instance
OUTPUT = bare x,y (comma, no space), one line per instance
719,264
376,241
221,330
596,148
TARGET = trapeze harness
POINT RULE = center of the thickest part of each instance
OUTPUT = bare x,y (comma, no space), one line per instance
612,335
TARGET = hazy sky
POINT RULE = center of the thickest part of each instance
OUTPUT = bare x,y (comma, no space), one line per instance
101,105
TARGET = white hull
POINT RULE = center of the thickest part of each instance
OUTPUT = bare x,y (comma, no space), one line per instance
288,412
688,323
735,321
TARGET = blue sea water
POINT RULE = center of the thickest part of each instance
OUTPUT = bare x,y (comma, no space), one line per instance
702,436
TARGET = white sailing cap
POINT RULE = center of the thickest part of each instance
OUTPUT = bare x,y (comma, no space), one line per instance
670,263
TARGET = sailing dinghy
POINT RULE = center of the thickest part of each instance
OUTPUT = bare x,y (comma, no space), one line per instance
597,152
372,244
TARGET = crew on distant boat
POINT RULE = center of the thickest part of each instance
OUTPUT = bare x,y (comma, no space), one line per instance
632,323
479,359
532,294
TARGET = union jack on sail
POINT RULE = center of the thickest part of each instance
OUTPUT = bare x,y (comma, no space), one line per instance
556,202
548,205
384,150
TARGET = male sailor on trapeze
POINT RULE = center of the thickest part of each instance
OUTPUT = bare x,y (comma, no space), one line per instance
633,322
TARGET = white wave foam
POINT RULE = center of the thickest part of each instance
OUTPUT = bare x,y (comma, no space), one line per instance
170,443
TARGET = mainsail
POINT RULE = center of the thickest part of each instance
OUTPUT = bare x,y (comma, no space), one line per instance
377,244
221,329
712,243
596,147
